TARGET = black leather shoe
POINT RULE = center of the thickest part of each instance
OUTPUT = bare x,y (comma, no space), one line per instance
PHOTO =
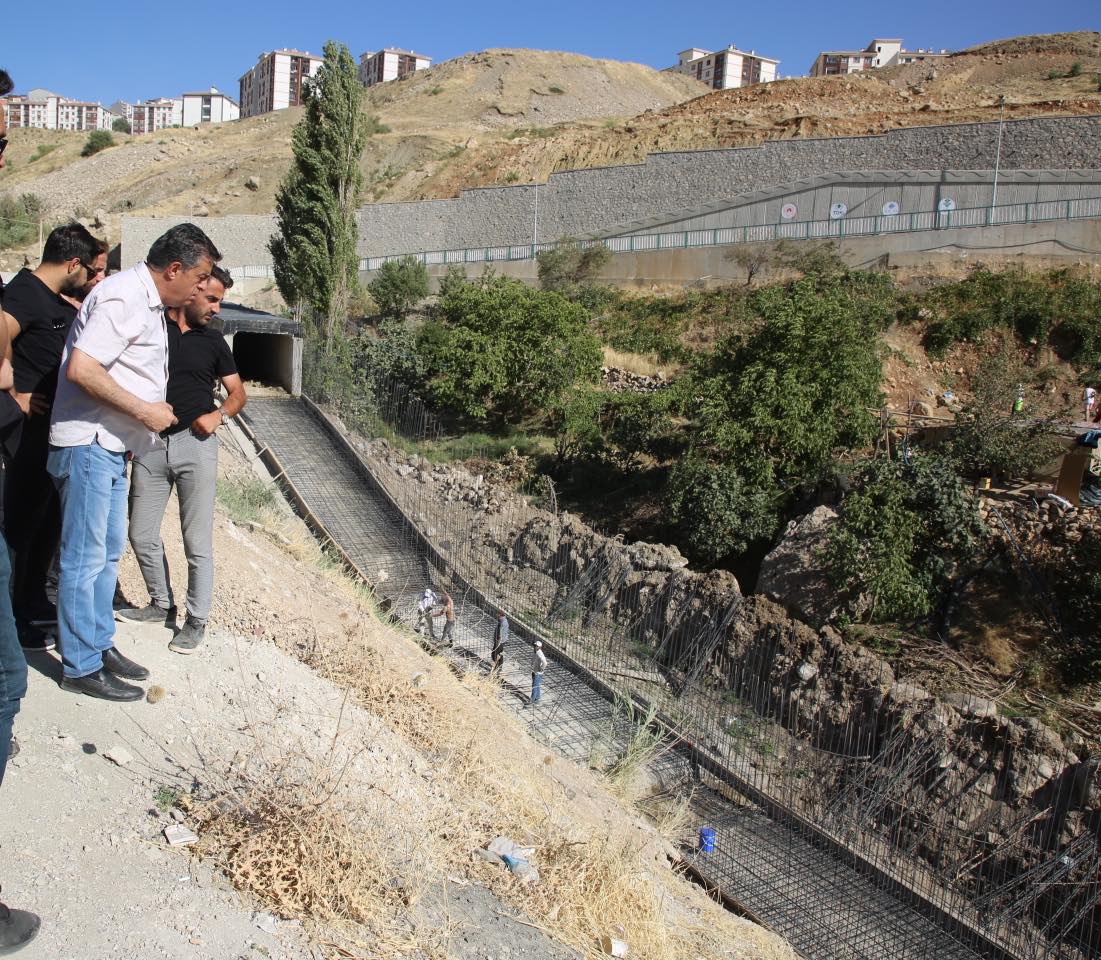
102,684
114,662
17,929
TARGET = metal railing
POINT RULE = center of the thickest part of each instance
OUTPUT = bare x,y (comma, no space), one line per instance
833,229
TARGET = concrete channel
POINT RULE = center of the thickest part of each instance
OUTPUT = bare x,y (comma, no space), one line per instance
829,906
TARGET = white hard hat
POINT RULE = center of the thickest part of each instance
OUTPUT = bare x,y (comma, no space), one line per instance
539,643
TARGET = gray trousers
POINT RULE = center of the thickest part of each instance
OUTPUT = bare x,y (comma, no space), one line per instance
191,465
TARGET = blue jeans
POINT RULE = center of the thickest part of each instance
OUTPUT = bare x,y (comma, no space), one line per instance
536,687
13,666
92,483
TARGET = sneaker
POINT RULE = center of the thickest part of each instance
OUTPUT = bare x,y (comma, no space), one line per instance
150,613
17,929
33,638
190,638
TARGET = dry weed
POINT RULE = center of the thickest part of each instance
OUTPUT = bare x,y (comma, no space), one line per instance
644,364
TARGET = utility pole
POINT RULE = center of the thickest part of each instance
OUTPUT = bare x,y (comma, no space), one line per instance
535,231
997,155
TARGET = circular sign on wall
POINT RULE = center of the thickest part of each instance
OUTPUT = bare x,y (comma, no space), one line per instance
890,208
788,211
838,210
946,205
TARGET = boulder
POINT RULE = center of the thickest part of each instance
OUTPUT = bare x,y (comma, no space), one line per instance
791,574
252,183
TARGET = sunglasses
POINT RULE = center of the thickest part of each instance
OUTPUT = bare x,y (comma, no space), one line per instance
92,271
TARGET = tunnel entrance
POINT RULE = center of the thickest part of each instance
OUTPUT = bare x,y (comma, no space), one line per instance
267,349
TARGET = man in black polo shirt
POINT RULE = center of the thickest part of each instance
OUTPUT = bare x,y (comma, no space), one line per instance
38,322
197,357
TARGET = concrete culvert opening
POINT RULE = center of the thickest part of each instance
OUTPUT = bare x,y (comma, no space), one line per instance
267,349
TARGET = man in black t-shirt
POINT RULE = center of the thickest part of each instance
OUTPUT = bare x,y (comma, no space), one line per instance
197,358
38,322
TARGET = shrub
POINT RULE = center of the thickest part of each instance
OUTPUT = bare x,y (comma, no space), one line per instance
97,140
904,536
1077,581
42,150
501,348
512,176
989,438
1075,69
570,265
720,511
120,125
398,286
636,424
374,125
557,89
575,422
19,219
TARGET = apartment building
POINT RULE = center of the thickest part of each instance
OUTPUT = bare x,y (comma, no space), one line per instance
50,111
152,115
275,83
207,106
726,69
382,66
880,52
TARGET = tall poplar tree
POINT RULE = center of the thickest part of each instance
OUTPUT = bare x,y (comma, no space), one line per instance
314,251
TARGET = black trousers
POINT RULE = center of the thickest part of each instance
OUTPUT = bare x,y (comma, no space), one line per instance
32,512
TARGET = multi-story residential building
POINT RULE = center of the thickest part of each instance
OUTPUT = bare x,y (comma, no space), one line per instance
120,108
50,111
390,64
152,115
275,83
209,106
726,69
879,53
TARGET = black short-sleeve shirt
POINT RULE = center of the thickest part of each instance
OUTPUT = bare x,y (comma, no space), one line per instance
196,360
44,320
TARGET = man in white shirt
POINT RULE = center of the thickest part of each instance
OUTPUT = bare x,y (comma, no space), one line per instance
538,666
110,404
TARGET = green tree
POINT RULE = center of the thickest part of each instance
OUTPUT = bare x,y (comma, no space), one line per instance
575,421
398,286
989,438
314,251
1076,576
19,219
570,266
120,125
904,536
504,349
635,424
97,140
770,410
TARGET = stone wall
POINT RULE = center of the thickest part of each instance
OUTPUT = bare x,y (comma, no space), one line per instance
580,202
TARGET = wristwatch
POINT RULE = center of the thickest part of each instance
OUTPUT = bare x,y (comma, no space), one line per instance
226,417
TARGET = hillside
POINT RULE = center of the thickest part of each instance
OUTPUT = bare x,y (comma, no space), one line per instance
498,117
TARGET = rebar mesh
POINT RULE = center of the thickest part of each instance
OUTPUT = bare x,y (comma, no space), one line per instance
844,830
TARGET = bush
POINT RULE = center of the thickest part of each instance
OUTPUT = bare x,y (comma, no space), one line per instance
500,348
575,422
19,219
42,150
720,511
570,265
120,125
989,438
1077,582
1075,69
97,140
398,286
904,537
636,423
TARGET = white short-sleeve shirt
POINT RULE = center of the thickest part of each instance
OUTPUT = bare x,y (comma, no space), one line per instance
122,325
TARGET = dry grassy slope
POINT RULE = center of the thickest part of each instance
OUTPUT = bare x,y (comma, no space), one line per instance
474,100
964,88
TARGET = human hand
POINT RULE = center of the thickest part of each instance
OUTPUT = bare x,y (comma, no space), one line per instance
205,425
158,416
33,403
7,376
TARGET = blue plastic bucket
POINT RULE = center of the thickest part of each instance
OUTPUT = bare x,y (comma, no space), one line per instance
707,839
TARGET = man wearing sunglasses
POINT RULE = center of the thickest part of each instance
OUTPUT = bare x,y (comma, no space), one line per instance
38,321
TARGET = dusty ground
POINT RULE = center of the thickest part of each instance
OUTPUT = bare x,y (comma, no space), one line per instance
247,719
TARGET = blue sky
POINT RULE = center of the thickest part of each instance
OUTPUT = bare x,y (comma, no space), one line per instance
137,50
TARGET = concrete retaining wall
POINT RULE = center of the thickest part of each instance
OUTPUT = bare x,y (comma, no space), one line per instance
580,202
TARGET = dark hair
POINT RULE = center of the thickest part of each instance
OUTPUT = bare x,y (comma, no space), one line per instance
6,83
185,244
221,274
72,241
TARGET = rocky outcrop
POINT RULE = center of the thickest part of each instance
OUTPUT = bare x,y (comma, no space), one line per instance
620,380
792,573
